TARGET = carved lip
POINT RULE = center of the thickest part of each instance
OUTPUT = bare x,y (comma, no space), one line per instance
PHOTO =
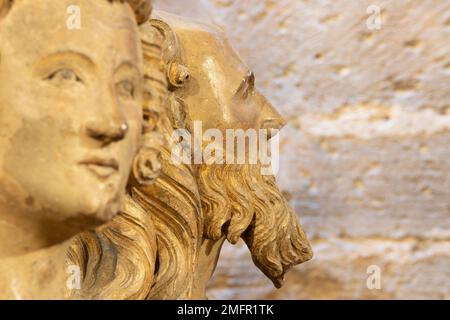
102,168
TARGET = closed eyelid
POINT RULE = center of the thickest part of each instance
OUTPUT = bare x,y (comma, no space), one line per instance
247,83
67,59
128,72
251,80
128,67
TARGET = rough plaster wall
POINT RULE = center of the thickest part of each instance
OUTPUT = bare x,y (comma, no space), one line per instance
366,155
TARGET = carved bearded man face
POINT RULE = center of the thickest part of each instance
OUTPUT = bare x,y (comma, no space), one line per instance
222,92
237,200
70,110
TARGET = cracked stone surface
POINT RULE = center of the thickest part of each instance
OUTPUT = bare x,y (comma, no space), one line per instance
365,158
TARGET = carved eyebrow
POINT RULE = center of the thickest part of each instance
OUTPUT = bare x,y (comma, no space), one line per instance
247,82
63,57
128,65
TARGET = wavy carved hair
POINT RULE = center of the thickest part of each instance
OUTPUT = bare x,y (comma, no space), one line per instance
149,250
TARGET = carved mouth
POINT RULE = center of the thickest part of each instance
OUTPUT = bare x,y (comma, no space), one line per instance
102,168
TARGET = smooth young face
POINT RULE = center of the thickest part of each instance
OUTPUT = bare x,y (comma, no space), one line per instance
70,110
221,91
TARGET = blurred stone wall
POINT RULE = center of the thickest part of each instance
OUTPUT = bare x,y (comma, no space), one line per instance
366,155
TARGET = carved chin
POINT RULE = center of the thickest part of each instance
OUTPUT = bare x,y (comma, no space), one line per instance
99,211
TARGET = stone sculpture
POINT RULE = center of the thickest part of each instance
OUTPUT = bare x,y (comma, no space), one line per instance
236,200
120,259
191,209
70,126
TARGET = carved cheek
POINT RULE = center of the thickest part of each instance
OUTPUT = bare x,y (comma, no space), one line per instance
247,113
133,139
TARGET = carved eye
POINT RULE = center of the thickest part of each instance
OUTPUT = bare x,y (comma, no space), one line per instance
125,88
62,76
246,92
247,87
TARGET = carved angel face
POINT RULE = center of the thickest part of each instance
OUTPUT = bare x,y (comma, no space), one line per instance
70,110
221,90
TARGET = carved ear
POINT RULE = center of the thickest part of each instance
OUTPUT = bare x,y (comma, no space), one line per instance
5,5
177,74
147,163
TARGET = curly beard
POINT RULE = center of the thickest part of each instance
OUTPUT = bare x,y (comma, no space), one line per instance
239,202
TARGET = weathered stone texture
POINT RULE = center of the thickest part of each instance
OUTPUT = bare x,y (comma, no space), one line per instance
366,155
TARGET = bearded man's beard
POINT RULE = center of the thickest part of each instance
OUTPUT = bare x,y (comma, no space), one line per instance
239,202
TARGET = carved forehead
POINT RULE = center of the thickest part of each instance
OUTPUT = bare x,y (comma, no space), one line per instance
205,42
142,8
34,28
213,62
57,12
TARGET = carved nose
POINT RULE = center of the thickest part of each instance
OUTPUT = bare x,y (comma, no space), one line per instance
271,119
274,123
106,132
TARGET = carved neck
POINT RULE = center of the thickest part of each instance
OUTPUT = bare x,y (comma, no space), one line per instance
37,275
31,267
207,262
20,236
